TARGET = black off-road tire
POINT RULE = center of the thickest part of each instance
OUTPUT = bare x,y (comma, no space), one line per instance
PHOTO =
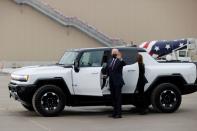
49,100
166,98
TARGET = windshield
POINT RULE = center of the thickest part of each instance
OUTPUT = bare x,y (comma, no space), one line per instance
68,58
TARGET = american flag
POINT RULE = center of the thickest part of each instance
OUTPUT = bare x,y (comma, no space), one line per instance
163,47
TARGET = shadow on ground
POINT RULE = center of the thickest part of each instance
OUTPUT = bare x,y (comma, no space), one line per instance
93,112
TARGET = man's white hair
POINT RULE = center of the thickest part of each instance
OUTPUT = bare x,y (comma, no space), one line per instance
114,51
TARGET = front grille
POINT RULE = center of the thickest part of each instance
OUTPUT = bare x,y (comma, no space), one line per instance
12,83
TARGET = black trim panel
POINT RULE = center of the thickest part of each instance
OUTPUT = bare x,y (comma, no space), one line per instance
23,92
189,88
82,100
176,79
59,81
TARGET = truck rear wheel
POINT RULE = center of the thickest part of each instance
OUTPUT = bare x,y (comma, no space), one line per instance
166,98
49,100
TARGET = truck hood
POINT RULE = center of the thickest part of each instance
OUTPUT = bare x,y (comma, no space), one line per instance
31,70
44,72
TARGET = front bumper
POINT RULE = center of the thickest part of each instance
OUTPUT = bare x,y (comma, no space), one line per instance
189,88
22,93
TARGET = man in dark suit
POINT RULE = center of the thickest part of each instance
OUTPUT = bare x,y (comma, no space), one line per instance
114,71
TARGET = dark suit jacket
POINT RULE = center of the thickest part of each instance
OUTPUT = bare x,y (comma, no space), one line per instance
115,75
142,79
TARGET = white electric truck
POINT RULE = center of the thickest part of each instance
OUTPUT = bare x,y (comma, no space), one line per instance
77,81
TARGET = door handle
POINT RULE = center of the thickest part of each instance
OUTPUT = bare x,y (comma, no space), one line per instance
94,73
131,70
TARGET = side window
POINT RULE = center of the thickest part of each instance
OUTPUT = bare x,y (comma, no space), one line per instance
130,56
91,59
183,53
106,56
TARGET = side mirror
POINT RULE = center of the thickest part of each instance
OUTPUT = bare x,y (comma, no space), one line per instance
76,66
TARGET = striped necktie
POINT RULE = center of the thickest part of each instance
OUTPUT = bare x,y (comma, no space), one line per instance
113,63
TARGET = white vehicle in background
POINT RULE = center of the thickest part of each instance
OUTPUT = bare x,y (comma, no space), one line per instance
77,81
183,50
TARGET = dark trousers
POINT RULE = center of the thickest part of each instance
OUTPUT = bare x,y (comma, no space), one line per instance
141,98
116,98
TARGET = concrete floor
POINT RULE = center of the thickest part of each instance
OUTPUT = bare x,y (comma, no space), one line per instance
14,117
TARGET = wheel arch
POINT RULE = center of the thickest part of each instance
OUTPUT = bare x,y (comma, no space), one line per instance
176,79
58,81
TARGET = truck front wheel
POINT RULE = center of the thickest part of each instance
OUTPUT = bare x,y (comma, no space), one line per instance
166,98
49,100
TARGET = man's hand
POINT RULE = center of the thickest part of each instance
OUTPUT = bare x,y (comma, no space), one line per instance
119,55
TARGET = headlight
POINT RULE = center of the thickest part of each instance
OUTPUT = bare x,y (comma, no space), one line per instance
22,78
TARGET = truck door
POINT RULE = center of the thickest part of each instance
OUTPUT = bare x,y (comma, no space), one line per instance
130,71
87,81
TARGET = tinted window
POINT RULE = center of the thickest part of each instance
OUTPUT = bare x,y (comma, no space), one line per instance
91,59
106,56
129,56
182,53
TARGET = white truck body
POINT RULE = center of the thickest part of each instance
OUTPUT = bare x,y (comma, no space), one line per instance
88,81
